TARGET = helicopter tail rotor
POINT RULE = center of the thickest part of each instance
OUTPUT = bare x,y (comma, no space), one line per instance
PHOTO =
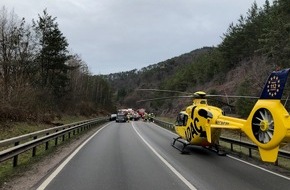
268,126
263,125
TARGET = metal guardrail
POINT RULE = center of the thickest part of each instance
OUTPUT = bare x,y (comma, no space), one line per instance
21,144
164,124
250,146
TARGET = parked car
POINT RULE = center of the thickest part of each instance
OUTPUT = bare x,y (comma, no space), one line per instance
113,117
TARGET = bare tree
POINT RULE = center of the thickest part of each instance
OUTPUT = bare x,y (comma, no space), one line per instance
15,52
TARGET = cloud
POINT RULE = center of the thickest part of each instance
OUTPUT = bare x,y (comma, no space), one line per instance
121,35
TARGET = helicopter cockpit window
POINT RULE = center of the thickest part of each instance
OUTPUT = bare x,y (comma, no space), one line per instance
181,119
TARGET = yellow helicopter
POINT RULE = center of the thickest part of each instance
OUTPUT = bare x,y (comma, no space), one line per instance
268,124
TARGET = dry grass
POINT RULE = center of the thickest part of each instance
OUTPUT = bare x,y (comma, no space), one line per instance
14,129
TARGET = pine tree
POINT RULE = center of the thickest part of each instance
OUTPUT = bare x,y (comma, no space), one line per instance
52,54
275,40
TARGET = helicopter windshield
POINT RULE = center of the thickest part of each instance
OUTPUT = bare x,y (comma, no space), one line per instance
181,119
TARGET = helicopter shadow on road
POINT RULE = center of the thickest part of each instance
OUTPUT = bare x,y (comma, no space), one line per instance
196,150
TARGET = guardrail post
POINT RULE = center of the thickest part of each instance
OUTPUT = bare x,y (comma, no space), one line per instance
232,147
34,148
250,152
15,159
56,139
47,143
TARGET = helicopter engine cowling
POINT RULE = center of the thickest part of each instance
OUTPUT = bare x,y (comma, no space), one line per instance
268,126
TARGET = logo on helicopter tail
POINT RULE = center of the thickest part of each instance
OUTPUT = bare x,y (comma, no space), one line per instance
275,84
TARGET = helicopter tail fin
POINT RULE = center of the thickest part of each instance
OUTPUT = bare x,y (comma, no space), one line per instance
275,84
269,155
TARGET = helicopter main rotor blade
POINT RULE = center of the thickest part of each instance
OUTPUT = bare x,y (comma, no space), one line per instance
164,98
159,90
232,96
207,95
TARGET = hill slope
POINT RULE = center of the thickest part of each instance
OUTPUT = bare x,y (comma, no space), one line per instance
250,50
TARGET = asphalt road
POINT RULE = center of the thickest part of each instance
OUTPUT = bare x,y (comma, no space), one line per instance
139,155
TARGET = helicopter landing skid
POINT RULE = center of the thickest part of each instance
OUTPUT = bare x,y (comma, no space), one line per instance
182,142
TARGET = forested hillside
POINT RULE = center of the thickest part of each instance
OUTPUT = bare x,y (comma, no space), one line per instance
252,47
152,76
39,78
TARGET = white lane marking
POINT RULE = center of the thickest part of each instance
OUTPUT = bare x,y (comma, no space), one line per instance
60,167
187,183
261,168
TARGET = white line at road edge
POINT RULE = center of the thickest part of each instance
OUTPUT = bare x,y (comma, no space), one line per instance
274,173
187,183
60,167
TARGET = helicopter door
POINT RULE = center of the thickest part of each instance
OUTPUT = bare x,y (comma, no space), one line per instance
181,119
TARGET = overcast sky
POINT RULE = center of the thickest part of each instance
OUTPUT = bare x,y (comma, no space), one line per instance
121,35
